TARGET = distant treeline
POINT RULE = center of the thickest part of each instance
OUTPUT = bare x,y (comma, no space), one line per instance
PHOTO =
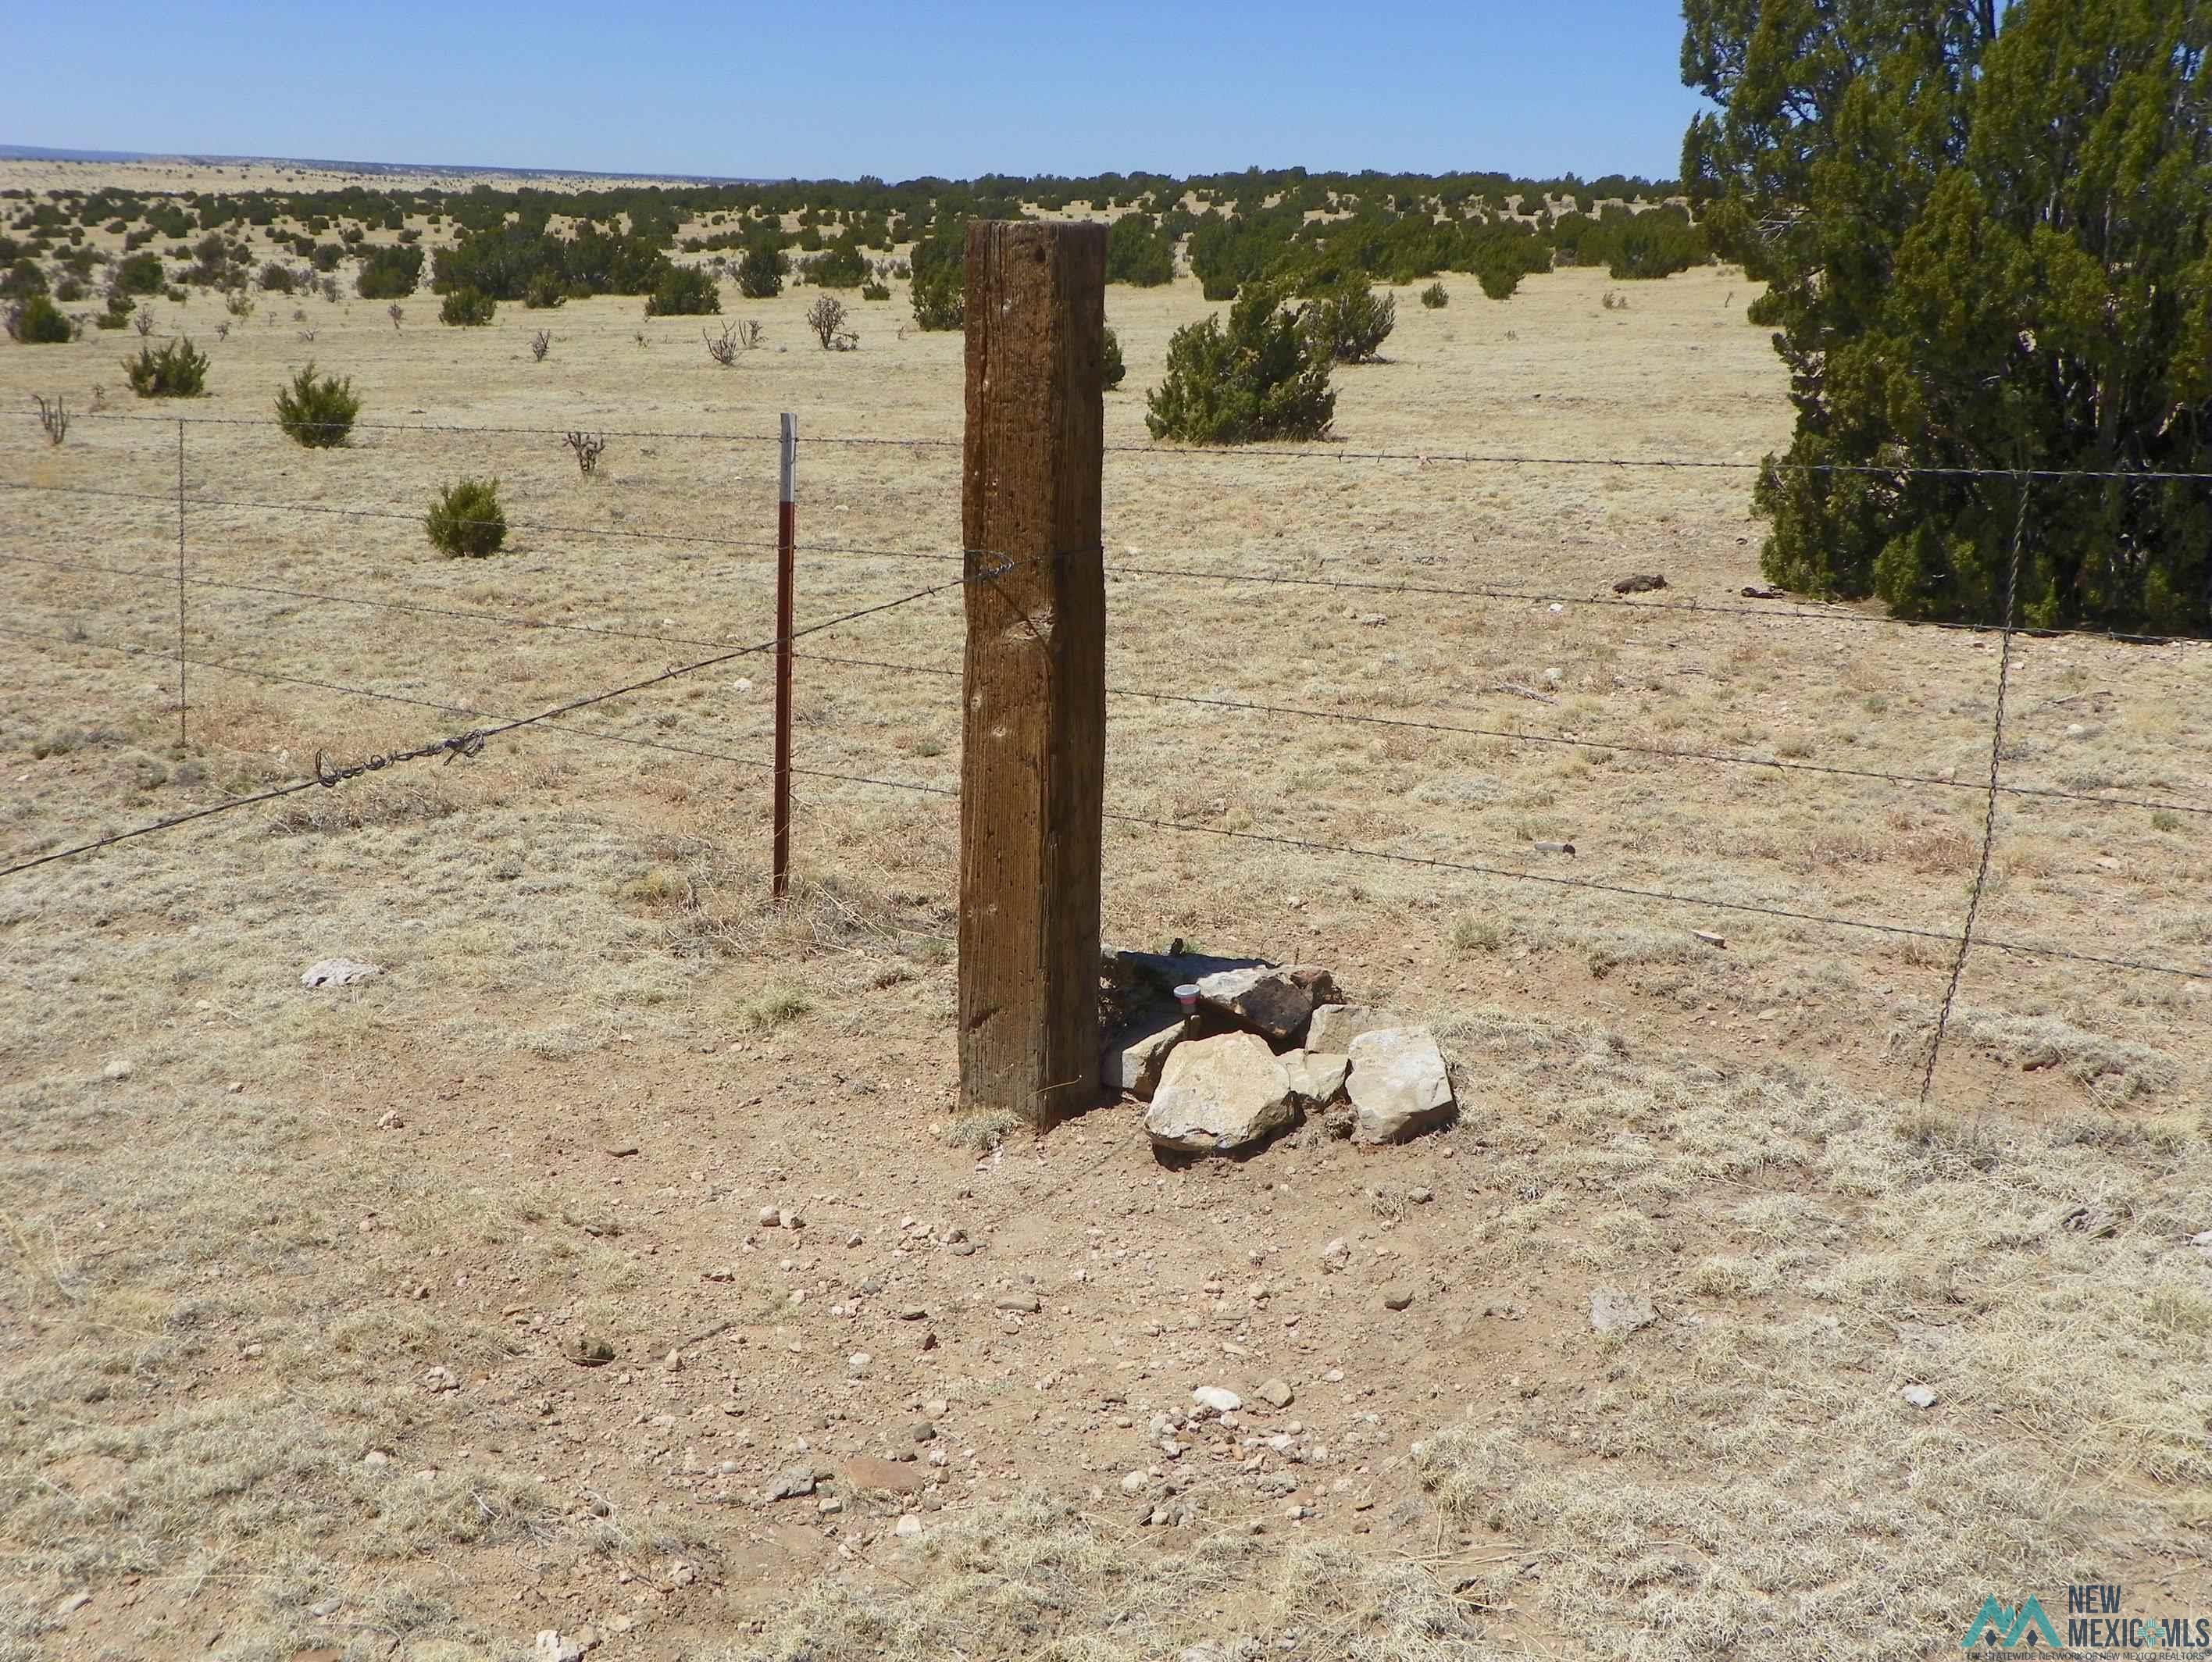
1310,229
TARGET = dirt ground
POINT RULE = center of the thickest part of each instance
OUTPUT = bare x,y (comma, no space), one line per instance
295,1280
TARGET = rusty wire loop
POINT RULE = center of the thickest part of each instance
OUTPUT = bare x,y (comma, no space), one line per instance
461,745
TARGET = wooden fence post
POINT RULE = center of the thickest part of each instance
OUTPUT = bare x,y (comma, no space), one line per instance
1033,748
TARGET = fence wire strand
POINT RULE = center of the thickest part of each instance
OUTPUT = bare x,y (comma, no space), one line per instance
1990,813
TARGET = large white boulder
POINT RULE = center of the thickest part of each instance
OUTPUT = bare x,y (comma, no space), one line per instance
1220,1094
1399,1084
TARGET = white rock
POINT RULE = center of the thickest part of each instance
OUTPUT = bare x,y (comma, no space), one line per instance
552,1647
1218,1094
1215,1398
1135,1482
1919,1396
1399,1084
1135,1055
1336,1255
1277,1002
1278,1392
1335,1025
907,1527
1613,1312
337,972
1317,1077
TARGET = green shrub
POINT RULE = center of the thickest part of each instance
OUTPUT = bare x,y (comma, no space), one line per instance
843,267
466,519
683,291
875,291
1111,370
175,372
1351,321
1139,252
940,298
24,279
318,411
465,308
545,293
1264,377
141,274
38,322
1435,297
68,289
762,272
389,273
1769,310
277,279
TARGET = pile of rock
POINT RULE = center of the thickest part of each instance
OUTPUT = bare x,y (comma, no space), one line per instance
1266,1045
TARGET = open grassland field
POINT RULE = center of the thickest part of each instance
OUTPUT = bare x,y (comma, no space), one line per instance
292,1283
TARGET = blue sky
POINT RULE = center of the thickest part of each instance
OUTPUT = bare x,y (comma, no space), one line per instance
813,90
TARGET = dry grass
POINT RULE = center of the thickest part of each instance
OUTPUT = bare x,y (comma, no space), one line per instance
580,958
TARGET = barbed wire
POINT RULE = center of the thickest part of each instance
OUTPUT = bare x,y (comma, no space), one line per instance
1698,609
1703,901
473,741
1661,752
1511,734
277,678
168,500
1708,903
1679,608
1252,452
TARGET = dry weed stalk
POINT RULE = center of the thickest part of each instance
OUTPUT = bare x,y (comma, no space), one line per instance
588,448
54,417
722,348
540,344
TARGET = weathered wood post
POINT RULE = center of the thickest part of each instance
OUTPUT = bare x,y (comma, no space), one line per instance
1033,748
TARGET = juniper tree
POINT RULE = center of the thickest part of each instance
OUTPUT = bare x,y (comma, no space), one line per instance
1989,235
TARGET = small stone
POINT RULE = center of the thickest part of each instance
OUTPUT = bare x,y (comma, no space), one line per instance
376,1459
1135,1483
1217,1400
1336,1255
1275,1002
1024,1304
1278,1393
828,1504
793,1484
790,1219
1335,1025
440,1379
937,1408
911,1312
1396,1298
337,972
1135,1055
587,1352
118,1069
1919,1396
390,1121
1420,1197
907,1527
858,1361
1611,1311
768,1216
924,1432
1316,1075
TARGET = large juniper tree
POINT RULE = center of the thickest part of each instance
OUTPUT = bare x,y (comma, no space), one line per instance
1989,233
